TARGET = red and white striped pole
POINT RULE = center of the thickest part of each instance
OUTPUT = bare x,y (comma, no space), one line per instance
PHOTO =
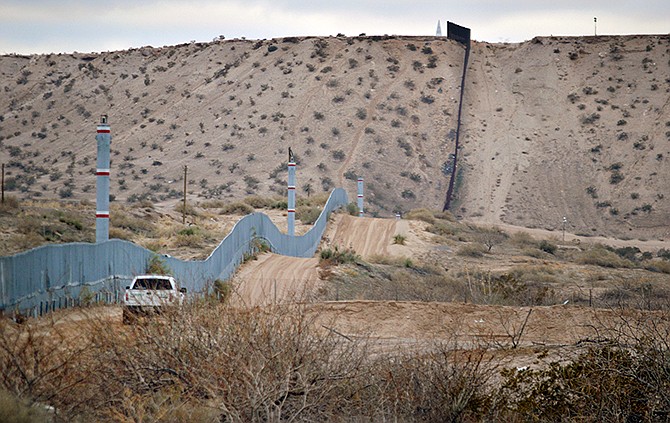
104,139
359,198
291,194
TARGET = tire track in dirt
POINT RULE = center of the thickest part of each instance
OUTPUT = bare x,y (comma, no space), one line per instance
275,279
366,236
381,95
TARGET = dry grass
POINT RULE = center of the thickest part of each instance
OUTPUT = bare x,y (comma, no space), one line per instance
600,256
210,362
473,249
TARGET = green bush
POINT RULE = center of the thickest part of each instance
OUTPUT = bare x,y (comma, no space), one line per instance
421,214
157,266
307,215
547,247
442,229
222,290
237,208
663,253
474,249
337,256
601,256
259,202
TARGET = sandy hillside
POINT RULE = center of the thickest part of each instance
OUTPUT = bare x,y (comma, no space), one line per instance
552,127
574,127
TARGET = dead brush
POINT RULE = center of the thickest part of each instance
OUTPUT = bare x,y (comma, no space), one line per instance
42,362
249,365
210,362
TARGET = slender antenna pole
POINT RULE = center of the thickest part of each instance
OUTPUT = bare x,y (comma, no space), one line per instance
183,212
3,183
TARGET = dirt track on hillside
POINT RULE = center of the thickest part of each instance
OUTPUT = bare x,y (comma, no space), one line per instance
277,279
365,235
652,245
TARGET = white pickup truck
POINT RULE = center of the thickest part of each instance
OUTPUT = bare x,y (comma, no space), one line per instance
149,293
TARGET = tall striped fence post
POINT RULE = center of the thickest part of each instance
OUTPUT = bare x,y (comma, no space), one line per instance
359,197
103,137
291,198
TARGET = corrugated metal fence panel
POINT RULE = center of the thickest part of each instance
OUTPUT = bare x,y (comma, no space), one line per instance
55,272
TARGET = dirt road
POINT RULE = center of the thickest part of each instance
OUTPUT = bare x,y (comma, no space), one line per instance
652,245
277,279
365,235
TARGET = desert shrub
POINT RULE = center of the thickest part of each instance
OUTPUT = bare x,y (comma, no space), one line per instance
336,255
212,204
408,194
421,214
255,365
490,237
473,249
617,380
252,183
523,240
547,247
120,233
191,236
259,202
222,290
399,239
437,386
237,208
660,266
628,253
338,154
601,256
443,229
10,204
122,219
307,215
156,266
444,215
318,200
352,209
186,209
279,205
590,119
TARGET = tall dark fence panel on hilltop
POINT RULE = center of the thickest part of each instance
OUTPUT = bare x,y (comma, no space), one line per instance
462,35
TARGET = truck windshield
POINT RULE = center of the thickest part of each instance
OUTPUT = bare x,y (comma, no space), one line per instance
152,284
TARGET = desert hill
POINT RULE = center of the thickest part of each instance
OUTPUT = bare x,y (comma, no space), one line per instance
552,127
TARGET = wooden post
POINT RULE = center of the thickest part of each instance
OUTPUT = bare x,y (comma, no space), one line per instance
183,212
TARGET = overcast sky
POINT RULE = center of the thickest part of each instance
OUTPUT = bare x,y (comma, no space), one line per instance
47,26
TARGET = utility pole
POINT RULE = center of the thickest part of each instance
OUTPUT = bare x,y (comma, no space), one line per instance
565,220
595,26
3,183
183,211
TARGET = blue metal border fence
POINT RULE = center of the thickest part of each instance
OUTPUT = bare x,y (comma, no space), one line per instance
57,276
